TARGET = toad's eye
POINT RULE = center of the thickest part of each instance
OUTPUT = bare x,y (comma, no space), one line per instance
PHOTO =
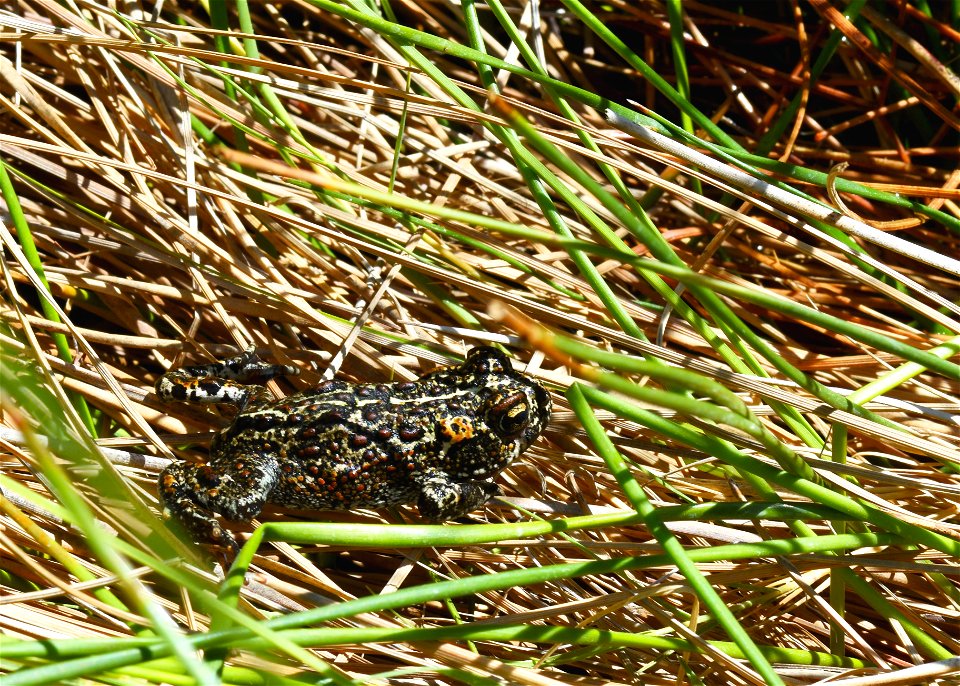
509,415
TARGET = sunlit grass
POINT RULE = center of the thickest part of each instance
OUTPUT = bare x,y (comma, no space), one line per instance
751,473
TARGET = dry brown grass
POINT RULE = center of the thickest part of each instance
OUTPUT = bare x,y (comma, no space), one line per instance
159,252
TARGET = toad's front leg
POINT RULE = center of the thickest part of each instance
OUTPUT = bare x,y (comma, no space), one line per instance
236,487
442,498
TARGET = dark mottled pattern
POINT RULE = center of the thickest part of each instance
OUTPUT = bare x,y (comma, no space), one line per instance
436,441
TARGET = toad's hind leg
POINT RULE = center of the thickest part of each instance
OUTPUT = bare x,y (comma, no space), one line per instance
230,381
236,487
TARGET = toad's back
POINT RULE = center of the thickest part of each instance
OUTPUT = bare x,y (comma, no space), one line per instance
343,446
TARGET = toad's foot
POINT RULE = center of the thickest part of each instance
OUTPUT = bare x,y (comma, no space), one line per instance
442,498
